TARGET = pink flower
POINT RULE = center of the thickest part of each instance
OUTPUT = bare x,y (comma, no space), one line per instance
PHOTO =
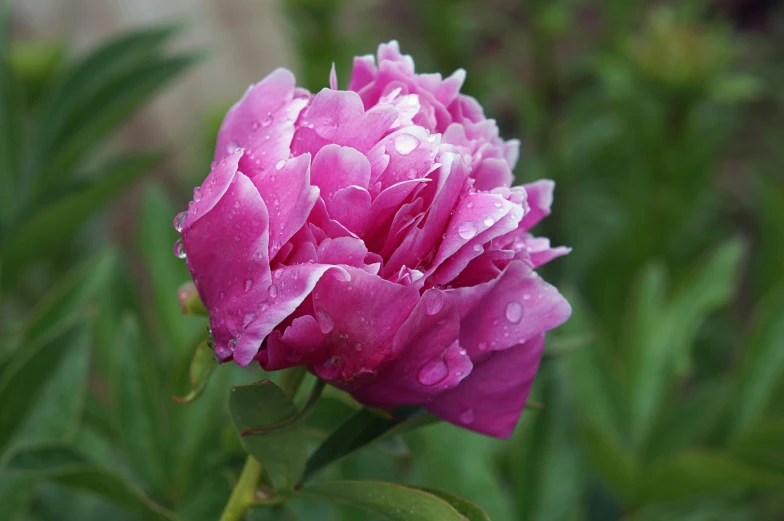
372,235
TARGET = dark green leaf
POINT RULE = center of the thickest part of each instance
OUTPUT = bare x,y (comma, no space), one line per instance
762,446
10,126
696,473
140,419
361,429
610,459
60,463
282,453
762,364
53,224
470,511
388,500
28,372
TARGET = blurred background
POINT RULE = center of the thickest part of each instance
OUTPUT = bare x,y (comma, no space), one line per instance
662,124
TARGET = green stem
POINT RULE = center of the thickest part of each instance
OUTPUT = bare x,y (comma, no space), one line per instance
244,493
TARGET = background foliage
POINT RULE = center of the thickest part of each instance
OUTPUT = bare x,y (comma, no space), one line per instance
663,396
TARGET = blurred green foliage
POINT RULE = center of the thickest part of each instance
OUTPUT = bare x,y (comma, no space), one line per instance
663,395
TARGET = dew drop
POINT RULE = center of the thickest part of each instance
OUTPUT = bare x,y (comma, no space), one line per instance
470,205
466,230
222,295
411,173
250,317
434,301
179,219
514,312
233,344
265,122
280,164
477,247
482,346
489,221
405,144
197,194
358,346
248,285
329,369
232,147
179,249
526,296
272,291
433,371
325,321
468,416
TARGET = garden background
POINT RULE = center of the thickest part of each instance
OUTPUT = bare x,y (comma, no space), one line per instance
662,124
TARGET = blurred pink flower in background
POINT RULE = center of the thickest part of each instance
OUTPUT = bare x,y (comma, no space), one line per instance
373,236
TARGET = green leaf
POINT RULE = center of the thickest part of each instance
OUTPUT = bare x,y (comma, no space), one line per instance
282,453
10,125
696,473
106,110
761,365
544,458
140,419
155,241
202,365
762,446
61,464
470,511
364,427
49,226
609,459
28,372
388,500
665,344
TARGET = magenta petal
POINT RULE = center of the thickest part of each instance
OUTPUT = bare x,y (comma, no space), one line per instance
227,255
540,199
350,206
509,310
430,359
213,189
493,173
493,396
336,167
289,197
540,251
298,344
359,316
290,286
262,122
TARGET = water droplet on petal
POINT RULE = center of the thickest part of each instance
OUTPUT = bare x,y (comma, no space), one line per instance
433,371
248,285
325,321
232,147
329,369
179,249
468,416
358,346
411,173
250,317
470,205
197,194
466,230
272,291
434,301
405,144
477,247
514,312
482,346
280,164
489,221
526,296
179,219
265,122
233,344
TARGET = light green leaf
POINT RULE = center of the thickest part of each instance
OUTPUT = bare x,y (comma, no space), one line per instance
167,272
60,463
388,500
202,365
666,344
50,225
139,416
470,511
761,365
282,453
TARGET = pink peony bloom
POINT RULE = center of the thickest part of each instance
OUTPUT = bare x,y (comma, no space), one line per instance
373,236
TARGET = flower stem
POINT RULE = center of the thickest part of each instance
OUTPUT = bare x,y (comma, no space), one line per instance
244,493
